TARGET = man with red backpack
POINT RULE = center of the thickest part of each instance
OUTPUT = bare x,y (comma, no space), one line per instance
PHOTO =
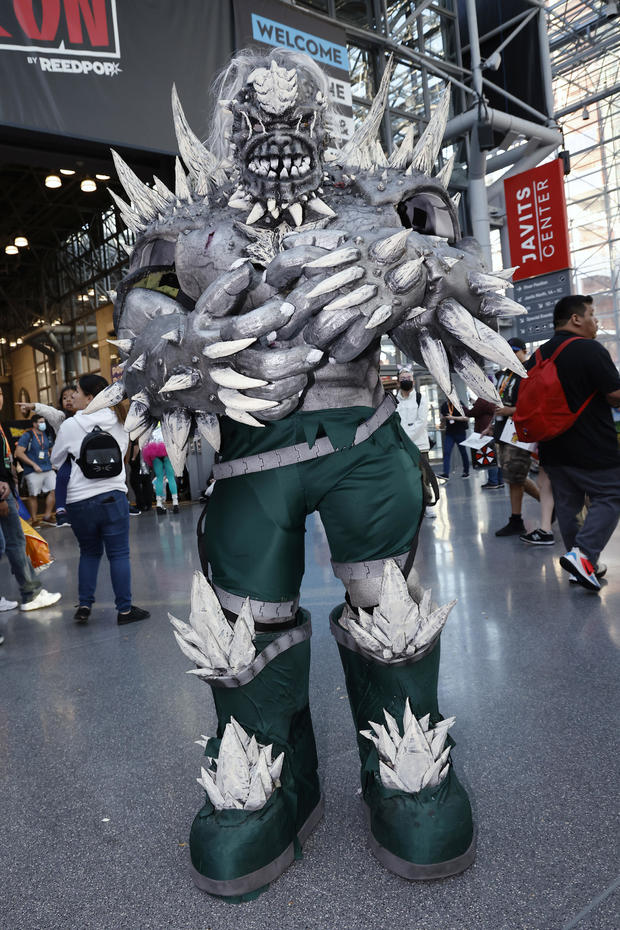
565,404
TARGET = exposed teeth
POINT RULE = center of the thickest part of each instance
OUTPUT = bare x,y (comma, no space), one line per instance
267,162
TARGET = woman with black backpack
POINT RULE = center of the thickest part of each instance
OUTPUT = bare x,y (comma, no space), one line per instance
97,497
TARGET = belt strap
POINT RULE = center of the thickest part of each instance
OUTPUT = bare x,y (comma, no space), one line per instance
301,452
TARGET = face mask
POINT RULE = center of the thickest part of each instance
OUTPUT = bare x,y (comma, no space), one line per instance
406,385
41,426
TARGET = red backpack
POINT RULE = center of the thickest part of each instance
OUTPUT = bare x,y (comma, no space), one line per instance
542,410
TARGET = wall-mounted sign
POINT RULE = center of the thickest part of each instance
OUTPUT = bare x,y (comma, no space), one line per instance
539,296
102,70
537,221
271,23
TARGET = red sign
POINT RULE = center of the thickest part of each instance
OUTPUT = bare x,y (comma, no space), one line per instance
537,221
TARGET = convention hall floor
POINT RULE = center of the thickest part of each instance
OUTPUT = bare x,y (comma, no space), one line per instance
98,764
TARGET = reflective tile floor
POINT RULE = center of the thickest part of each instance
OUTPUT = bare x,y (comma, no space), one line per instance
98,764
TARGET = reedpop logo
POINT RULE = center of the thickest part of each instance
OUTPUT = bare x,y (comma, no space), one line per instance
83,32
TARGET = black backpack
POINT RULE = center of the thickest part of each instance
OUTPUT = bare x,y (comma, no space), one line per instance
100,455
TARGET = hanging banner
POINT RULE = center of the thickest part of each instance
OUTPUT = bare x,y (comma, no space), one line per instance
103,70
537,220
269,23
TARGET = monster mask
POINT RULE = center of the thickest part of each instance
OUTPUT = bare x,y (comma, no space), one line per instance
277,138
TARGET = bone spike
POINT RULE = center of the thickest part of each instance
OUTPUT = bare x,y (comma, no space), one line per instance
109,397
456,200
297,213
125,345
242,417
318,206
209,428
380,315
429,143
477,335
401,156
130,218
381,160
182,382
139,363
255,213
140,196
191,652
473,376
500,305
332,260
445,174
137,417
481,283
233,400
242,651
369,129
223,349
181,187
176,427
233,769
173,335
436,360
506,273
200,162
336,281
146,435
391,249
164,192
402,278
229,378
354,298
213,792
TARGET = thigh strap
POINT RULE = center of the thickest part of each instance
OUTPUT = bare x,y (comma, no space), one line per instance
301,452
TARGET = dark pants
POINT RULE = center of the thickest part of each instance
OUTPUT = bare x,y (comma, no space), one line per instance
449,442
570,487
62,480
103,522
141,485
15,548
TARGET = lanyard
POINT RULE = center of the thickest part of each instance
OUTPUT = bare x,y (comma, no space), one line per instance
6,449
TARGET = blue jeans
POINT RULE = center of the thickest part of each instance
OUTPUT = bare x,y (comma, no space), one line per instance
98,522
15,548
449,442
494,474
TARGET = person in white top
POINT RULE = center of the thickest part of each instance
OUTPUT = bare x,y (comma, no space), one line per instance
98,507
413,412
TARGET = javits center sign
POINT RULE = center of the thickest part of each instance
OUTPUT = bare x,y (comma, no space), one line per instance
63,36
537,221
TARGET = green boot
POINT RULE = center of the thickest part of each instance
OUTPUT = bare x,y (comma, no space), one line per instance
420,832
236,852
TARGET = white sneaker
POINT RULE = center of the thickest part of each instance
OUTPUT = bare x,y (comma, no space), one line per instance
7,605
581,568
43,599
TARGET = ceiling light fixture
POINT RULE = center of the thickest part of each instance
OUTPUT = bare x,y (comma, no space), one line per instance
11,249
585,114
21,242
67,171
88,185
102,177
56,322
12,344
3,341
52,180
19,341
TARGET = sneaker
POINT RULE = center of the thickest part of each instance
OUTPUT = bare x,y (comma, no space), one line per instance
581,568
538,538
489,487
514,527
465,474
62,518
161,509
81,615
444,476
175,508
600,571
136,613
134,511
7,605
43,599
43,568
501,485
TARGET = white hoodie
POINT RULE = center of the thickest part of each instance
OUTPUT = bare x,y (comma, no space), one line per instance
69,440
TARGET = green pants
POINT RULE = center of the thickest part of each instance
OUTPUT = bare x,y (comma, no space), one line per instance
369,498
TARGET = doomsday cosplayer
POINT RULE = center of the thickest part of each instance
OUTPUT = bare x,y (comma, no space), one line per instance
292,260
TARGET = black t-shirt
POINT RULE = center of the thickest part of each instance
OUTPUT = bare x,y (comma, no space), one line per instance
457,429
584,367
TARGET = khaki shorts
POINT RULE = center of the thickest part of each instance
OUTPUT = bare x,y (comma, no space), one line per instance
514,462
40,482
